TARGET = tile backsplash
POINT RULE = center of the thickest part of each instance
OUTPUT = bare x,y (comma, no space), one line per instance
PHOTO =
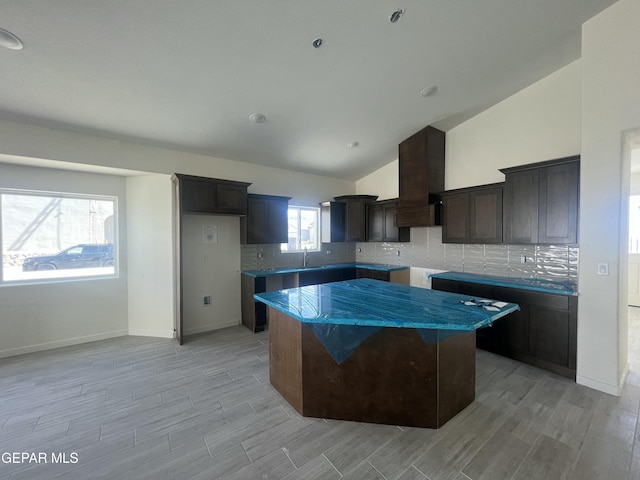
255,257
426,250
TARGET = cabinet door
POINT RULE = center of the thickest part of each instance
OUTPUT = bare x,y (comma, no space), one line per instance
549,335
316,277
512,331
393,233
257,220
521,206
278,220
445,285
390,229
355,221
485,215
558,210
376,221
380,275
231,199
198,197
266,220
455,218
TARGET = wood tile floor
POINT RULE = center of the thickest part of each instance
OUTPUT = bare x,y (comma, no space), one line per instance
143,408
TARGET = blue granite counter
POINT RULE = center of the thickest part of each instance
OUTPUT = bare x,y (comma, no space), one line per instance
534,284
373,303
281,271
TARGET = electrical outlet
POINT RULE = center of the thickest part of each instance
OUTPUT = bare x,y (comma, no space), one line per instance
207,301
523,259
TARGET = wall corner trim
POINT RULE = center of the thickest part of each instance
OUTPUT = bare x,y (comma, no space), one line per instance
601,386
142,332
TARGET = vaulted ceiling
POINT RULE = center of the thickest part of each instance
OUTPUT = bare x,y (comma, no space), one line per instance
186,75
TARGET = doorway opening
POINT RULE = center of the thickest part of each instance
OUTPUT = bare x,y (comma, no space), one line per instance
633,297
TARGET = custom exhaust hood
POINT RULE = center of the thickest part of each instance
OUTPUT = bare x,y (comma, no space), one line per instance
421,174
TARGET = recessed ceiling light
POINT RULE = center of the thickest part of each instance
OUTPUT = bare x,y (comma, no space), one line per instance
395,16
257,118
317,43
353,144
9,40
428,91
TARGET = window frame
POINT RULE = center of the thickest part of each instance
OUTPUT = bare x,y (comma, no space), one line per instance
284,247
81,272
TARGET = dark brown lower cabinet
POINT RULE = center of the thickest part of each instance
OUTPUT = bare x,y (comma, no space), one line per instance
543,333
374,274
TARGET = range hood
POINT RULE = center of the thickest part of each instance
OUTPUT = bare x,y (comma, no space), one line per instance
421,173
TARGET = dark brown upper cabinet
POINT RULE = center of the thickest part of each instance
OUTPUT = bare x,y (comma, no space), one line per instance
213,196
355,216
541,202
266,220
381,223
472,215
421,175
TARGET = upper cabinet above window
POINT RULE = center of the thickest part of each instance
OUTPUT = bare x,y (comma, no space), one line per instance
266,220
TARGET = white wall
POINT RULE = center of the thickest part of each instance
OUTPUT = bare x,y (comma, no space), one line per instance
40,316
538,123
610,108
210,269
150,264
149,310
383,182
43,143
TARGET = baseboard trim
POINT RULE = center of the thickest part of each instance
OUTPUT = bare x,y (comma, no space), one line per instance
601,386
12,352
210,327
151,333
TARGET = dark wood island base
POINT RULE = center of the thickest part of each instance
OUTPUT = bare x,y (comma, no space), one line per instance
394,377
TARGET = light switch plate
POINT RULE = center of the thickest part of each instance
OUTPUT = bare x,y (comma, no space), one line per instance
603,269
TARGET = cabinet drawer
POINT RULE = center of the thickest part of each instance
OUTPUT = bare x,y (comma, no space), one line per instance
548,300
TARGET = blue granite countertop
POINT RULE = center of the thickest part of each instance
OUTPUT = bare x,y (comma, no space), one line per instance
366,302
280,271
534,284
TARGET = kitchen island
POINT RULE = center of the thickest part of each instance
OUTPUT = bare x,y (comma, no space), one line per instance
372,351
254,314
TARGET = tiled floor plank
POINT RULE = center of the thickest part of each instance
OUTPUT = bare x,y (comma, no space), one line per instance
146,408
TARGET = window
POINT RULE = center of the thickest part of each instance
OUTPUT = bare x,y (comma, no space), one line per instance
304,231
49,236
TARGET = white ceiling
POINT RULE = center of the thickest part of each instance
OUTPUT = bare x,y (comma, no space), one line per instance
187,74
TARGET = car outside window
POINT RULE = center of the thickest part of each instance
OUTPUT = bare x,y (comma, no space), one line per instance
50,237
